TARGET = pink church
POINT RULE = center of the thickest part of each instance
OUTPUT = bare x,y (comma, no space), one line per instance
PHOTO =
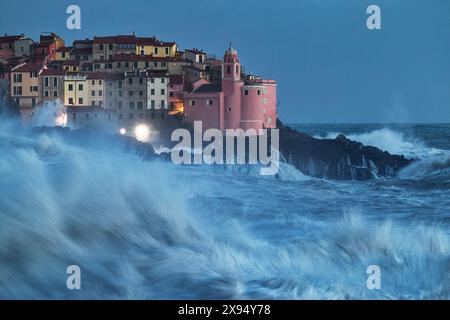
248,103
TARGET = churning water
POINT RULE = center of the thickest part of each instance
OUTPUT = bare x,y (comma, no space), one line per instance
152,230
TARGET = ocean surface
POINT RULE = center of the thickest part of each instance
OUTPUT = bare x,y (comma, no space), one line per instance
153,230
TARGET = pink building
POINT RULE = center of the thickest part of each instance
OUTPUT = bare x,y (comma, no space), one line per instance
247,103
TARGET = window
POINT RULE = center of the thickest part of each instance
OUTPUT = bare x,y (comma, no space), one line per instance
70,87
192,102
163,80
163,104
259,92
130,93
147,64
171,94
46,81
130,80
163,91
156,50
167,50
237,70
228,69
55,93
17,91
141,80
100,82
120,93
33,102
100,93
119,65
141,93
46,93
152,80
63,54
80,100
93,81
140,105
246,92
127,65
152,92
110,47
101,47
74,68
93,103
119,105
17,77
209,102
120,84
80,87
71,101
55,81
93,93
34,89
131,105
153,103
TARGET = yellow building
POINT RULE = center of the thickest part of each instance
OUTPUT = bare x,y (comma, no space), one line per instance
76,91
63,53
24,84
96,89
155,48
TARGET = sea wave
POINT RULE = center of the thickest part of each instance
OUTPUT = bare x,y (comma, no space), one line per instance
393,141
131,227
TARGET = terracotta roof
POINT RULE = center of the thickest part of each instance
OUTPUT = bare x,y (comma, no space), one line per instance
208,88
70,63
146,41
64,49
136,57
52,72
29,67
8,39
124,39
132,39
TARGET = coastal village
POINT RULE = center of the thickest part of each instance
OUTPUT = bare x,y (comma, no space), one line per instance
117,82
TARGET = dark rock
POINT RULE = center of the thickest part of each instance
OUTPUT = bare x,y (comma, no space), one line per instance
339,158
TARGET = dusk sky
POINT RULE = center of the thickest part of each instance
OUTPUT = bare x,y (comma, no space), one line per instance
329,66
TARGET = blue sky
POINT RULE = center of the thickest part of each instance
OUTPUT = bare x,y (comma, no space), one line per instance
329,66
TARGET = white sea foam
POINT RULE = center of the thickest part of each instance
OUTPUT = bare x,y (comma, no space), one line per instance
392,141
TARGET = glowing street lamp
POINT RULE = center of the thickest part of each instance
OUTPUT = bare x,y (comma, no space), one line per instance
142,132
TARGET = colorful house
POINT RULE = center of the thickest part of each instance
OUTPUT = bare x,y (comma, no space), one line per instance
24,86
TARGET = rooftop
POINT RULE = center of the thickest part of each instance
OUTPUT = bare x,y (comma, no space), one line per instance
209,87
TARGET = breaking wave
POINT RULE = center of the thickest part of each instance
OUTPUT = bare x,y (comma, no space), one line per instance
151,230
392,141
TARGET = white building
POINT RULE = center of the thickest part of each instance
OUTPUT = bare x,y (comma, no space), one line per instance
157,91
